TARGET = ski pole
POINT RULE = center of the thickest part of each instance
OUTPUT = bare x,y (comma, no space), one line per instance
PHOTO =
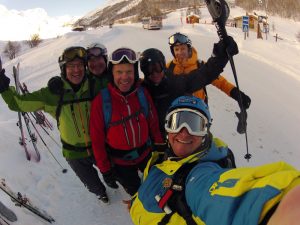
219,11
46,131
64,170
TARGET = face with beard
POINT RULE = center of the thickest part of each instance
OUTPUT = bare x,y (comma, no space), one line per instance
181,52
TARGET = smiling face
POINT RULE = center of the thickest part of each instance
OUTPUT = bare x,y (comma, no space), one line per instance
183,144
181,52
96,65
123,75
75,71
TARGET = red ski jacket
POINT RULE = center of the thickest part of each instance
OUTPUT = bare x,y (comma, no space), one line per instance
126,140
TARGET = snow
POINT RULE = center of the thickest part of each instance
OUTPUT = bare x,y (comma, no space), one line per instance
267,71
21,25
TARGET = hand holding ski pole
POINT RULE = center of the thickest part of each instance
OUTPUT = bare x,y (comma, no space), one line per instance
4,80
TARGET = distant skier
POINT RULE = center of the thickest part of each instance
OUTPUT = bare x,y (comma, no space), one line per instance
67,98
186,186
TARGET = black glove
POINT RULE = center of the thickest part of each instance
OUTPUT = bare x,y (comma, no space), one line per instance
231,46
246,100
56,85
242,124
4,81
228,43
110,179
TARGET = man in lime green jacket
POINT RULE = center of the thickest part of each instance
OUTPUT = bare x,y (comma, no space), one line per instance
67,98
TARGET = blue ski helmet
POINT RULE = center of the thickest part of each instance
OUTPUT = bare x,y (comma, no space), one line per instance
188,103
191,102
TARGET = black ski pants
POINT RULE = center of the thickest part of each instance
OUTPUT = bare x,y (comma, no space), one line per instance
128,176
88,174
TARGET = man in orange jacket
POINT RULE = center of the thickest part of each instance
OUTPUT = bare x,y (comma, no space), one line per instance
186,59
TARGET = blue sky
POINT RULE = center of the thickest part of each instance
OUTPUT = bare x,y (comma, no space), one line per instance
55,7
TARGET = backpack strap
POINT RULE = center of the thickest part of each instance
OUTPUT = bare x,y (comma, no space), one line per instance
61,101
174,197
143,101
106,106
59,106
92,84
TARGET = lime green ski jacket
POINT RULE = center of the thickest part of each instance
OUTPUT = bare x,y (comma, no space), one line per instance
74,114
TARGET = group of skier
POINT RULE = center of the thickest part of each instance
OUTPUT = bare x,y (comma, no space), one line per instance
107,116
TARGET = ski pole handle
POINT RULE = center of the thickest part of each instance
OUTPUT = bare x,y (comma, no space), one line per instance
219,12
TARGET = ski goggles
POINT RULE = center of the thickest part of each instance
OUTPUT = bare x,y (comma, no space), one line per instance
123,54
96,52
195,122
178,38
71,53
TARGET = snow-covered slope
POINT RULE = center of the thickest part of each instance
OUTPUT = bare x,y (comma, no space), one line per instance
267,71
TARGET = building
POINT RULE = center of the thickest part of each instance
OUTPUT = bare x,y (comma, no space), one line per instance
253,21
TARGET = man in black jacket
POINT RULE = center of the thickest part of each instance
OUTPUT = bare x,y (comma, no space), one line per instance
165,87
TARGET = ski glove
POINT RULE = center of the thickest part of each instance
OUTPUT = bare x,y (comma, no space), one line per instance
246,100
4,81
56,85
242,124
110,179
231,46
228,44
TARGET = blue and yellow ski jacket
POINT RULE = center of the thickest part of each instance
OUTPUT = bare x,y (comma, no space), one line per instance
216,195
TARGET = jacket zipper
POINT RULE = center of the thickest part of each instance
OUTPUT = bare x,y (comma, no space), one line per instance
125,130
74,119
83,129
130,122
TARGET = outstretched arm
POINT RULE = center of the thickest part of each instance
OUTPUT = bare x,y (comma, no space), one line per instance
210,70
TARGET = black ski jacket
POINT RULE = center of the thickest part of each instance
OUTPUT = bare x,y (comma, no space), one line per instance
172,86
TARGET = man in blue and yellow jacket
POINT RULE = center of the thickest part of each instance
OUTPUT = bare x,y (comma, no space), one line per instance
207,193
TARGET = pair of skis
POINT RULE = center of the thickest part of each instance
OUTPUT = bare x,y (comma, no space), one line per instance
23,201
22,139
39,118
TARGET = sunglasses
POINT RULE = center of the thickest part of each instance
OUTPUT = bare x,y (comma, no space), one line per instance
123,53
72,53
96,52
178,38
195,122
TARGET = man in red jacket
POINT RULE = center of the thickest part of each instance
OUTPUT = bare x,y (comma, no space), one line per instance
122,145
